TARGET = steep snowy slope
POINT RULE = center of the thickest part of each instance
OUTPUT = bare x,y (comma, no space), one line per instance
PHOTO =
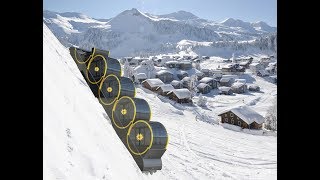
79,141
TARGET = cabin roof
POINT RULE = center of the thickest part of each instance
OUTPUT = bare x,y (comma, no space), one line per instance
237,84
141,76
224,88
154,82
163,72
225,79
181,93
246,114
202,85
206,79
166,87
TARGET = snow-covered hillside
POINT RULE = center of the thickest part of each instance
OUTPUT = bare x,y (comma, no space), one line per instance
80,143
79,140
133,32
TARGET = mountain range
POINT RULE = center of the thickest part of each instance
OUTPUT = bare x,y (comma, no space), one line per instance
133,32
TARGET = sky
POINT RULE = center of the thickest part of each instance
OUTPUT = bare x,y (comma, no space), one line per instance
217,10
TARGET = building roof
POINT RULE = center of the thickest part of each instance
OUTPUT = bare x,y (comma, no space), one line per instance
163,72
244,63
224,88
202,85
182,72
186,79
175,82
206,79
166,87
241,80
181,93
154,82
246,114
141,76
171,62
255,64
254,86
225,79
185,62
237,85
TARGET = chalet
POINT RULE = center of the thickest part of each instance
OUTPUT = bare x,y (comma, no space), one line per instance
245,64
171,64
152,84
232,68
140,77
181,74
255,67
180,95
185,82
210,81
239,87
164,75
254,87
164,89
242,116
204,88
225,90
184,65
207,72
176,84
226,82
199,74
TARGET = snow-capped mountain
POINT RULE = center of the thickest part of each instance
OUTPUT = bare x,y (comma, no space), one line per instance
133,32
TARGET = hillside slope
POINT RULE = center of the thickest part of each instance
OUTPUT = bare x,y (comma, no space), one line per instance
79,141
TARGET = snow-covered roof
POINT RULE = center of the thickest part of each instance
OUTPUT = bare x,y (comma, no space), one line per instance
255,64
224,88
237,85
244,63
182,72
241,80
254,86
227,66
186,79
202,85
275,76
171,62
182,93
225,79
175,82
163,72
141,76
206,79
246,114
205,70
166,87
230,76
185,62
154,82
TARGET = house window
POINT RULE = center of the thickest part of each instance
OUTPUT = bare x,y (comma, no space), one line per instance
239,123
226,115
226,119
231,114
232,121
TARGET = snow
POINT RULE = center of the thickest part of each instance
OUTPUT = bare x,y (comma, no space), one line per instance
182,93
225,79
154,82
166,87
202,85
237,85
163,72
206,80
79,141
141,76
224,88
199,146
132,33
247,114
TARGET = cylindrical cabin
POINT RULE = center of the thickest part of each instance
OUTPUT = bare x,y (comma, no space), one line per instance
128,110
147,139
112,88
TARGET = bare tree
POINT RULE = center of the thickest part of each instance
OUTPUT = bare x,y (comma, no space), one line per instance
271,117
